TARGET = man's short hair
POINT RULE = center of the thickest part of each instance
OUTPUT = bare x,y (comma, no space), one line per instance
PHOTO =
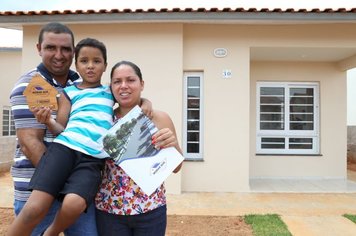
57,28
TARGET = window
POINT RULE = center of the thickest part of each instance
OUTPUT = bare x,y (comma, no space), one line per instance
287,118
192,133
8,125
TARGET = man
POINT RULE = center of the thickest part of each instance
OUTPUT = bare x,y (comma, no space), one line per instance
56,48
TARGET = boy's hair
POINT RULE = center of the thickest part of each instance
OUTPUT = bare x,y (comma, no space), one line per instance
57,28
128,63
90,42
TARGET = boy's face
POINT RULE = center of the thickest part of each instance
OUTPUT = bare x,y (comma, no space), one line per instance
57,53
91,66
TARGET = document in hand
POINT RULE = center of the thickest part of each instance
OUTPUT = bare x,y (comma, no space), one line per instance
129,144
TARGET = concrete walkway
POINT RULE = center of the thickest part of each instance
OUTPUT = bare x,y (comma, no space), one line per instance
304,213
314,214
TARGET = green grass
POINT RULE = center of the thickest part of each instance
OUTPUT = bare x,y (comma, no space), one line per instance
269,224
350,217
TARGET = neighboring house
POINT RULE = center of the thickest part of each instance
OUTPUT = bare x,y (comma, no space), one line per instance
351,97
351,115
252,93
10,67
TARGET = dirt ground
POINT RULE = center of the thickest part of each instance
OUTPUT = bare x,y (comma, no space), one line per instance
177,225
183,225
351,166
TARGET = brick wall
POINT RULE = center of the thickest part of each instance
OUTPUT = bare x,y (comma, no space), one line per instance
351,143
7,150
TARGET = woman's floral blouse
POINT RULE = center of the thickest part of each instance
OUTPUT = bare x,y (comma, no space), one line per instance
120,195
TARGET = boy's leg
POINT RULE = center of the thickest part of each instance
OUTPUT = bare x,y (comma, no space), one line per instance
85,225
84,181
73,205
43,225
32,213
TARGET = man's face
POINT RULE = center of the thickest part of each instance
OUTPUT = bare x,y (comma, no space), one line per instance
57,53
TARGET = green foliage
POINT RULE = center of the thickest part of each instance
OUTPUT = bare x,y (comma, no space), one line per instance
269,224
350,217
110,143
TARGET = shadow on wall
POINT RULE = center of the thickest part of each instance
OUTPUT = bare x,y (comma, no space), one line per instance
351,144
7,150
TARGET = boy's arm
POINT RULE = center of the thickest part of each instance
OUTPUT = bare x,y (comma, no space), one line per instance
146,106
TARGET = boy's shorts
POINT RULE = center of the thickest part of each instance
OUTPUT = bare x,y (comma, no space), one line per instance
62,170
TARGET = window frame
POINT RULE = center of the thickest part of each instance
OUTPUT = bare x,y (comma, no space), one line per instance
288,134
199,155
10,126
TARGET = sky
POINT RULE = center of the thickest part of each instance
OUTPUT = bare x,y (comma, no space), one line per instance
13,38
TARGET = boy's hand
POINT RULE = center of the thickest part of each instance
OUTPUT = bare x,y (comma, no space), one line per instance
146,106
42,114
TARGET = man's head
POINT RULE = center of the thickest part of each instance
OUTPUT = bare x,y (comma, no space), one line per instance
56,47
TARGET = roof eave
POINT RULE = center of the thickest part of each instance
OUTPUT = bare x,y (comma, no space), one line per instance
181,17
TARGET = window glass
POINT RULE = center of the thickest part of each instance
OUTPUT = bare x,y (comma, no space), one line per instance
272,108
287,117
192,117
8,125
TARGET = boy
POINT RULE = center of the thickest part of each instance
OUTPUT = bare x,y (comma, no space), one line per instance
71,167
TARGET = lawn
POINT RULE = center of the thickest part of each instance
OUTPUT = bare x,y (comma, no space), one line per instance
350,217
269,224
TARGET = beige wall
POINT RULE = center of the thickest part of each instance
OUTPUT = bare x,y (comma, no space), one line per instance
333,134
7,150
10,64
156,49
165,51
226,110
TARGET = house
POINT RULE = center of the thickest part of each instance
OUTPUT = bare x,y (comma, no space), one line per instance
253,93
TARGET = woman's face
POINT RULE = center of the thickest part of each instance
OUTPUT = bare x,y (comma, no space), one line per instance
126,86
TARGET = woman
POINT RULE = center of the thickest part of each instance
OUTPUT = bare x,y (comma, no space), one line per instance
122,207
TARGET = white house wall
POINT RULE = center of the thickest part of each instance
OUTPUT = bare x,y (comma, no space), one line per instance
351,97
10,64
165,51
226,110
331,163
156,49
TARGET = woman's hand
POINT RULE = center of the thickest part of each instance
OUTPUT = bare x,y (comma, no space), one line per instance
164,138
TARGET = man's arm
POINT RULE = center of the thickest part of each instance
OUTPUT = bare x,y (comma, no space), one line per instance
31,143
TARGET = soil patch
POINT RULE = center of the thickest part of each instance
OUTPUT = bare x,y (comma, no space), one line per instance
7,215
207,225
351,166
177,225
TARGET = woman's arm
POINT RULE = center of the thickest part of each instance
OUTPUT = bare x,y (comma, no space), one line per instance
166,135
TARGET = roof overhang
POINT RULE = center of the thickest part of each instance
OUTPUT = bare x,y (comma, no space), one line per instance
344,56
203,16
